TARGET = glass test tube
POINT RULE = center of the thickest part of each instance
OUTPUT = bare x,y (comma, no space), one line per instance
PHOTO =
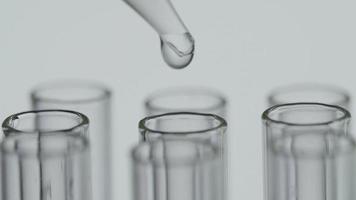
45,155
308,92
292,121
93,100
174,170
315,165
186,99
193,127
190,99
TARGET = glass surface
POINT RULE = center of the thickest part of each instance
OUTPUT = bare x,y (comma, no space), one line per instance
186,99
177,44
45,155
93,100
309,92
189,99
175,169
191,127
316,165
303,129
46,121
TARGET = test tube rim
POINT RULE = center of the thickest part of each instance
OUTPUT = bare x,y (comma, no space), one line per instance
7,128
265,115
343,94
103,91
143,128
183,90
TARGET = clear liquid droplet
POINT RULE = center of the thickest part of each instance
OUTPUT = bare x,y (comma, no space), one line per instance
177,49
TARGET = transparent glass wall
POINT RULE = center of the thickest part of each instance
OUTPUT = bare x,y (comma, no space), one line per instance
45,155
304,128
176,169
93,100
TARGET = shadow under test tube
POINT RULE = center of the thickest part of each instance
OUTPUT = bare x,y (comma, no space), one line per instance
175,170
186,99
192,127
292,121
308,92
45,155
93,100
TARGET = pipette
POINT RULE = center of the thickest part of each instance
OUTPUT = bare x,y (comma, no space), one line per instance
177,44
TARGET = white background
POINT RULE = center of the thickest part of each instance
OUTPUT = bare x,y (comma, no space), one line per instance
243,47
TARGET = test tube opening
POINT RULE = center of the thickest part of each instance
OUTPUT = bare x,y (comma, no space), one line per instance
310,92
181,123
305,114
70,92
44,121
189,99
